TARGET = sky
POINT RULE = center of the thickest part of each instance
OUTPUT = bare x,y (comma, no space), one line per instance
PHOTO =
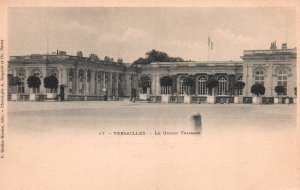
129,33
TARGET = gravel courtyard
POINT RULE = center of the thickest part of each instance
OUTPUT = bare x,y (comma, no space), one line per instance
239,145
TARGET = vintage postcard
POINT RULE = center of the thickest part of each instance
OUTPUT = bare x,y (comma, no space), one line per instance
149,95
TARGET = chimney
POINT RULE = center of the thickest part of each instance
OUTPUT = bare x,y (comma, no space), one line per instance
284,46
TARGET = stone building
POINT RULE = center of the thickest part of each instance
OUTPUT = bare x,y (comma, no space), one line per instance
77,75
80,76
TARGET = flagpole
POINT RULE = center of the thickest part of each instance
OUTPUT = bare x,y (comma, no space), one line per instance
208,47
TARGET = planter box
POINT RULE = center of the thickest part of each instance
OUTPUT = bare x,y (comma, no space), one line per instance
238,99
144,97
165,98
15,97
187,99
277,100
33,97
211,99
256,100
51,95
287,101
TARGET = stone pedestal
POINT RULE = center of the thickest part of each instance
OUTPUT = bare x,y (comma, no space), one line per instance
277,100
144,97
238,99
165,98
211,99
51,95
256,100
187,99
33,97
15,97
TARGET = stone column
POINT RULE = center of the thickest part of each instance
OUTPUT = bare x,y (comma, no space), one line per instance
128,84
76,81
158,88
104,83
291,82
174,84
268,85
27,74
92,83
85,83
43,90
96,83
117,85
249,80
245,79
111,83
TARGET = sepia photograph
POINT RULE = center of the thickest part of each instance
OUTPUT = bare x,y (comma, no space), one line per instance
154,98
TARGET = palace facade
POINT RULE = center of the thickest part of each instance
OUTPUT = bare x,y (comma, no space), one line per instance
90,77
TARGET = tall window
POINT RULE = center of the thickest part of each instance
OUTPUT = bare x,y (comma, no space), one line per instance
165,89
222,86
70,81
99,82
240,91
21,87
89,77
202,90
259,77
282,80
183,88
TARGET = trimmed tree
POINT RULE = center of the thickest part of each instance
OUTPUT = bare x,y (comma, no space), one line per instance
279,90
34,82
51,82
239,85
258,89
14,81
145,83
210,84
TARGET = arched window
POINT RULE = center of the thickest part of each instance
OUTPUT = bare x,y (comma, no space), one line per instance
222,86
183,88
240,91
70,80
259,77
202,90
282,80
21,87
166,84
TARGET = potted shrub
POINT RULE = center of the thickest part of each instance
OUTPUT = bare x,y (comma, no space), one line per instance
258,90
211,84
145,84
279,90
34,83
166,82
15,82
51,83
239,85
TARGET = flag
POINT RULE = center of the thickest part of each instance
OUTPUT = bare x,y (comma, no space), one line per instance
208,41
